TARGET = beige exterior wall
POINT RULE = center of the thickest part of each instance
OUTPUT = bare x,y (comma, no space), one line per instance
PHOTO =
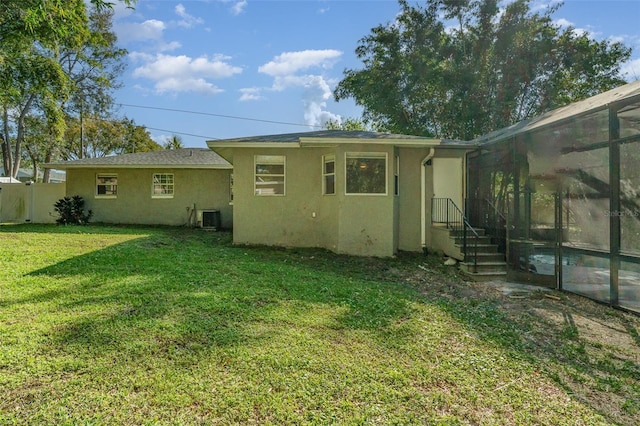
202,188
370,225
30,203
304,217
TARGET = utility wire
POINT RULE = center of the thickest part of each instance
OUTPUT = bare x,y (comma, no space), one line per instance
220,115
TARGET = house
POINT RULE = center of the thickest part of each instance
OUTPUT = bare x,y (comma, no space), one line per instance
26,175
169,187
353,192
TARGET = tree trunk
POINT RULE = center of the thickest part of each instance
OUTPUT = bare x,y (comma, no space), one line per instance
6,143
20,136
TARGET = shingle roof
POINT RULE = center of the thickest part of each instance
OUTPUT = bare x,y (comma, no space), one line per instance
195,158
335,134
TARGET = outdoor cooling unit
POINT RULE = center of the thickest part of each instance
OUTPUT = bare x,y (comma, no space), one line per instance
210,219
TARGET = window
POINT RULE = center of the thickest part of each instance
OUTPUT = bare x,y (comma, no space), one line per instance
366,173
162,186
106,186
396,176
231,189
269,174
328,175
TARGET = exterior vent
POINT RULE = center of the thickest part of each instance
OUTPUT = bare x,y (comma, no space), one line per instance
210,220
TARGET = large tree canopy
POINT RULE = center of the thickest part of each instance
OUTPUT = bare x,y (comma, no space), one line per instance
462,68
56,56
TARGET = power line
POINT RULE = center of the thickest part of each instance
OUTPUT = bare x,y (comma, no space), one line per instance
220,115
160,130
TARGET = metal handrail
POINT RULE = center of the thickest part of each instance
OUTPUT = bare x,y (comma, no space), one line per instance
445,210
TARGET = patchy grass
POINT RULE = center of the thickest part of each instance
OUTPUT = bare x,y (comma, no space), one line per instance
124,325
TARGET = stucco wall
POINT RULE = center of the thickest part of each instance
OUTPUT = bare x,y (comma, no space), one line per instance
204,188
286,220
354,224
30,203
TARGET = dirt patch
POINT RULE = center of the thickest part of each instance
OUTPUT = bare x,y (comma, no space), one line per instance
589,349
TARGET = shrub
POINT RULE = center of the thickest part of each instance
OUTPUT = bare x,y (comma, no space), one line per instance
71,211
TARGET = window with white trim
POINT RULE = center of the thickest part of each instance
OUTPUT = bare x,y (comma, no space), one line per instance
328,174
162,185
106,186
269,174
366,173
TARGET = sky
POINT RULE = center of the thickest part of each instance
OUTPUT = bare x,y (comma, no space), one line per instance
218,69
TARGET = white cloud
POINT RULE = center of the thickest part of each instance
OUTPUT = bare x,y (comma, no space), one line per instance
251,94
292,62
182,73
631,70
239,7
187,20
291,70
151,29
565,23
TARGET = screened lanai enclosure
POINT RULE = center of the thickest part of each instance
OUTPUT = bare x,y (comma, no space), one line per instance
560,194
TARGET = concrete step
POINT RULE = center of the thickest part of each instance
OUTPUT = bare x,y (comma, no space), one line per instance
484,267
484,240
482,248
479,231
490,257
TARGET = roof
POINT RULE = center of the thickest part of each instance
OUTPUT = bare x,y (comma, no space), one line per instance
320,134
329,138
564,113
186,158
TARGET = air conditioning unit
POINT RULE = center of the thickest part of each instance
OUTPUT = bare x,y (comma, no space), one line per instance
209,219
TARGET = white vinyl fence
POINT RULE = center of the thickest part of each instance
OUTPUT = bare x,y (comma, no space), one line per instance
22,202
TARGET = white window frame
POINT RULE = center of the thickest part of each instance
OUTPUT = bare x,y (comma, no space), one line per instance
166,185
328,159
273,160
367,155
102,176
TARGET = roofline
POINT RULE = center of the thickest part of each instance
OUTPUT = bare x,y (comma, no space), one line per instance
320,141
216,144
360,141
57,166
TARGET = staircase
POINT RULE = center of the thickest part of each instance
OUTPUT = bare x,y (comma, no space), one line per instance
481,259
482,262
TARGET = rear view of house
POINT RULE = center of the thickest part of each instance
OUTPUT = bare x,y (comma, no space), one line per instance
353,192
168,187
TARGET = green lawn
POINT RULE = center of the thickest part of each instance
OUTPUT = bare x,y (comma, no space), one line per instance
124,325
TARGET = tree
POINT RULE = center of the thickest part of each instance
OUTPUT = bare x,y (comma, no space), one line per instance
33,35
351,124
174,142
494,68
104,137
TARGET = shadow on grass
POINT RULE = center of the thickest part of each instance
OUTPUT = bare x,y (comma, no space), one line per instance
175,291
179,288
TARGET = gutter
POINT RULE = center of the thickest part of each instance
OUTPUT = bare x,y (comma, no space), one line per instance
423,196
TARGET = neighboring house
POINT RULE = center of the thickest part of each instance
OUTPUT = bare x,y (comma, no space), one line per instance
26,175
353,192
168,187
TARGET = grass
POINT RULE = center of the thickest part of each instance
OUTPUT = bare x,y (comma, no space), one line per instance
126,325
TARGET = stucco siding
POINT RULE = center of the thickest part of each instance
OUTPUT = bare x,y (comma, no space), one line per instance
134,204
302,217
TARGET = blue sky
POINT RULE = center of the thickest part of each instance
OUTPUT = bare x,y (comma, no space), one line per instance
251,67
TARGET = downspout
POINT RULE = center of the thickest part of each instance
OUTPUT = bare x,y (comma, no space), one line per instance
423,198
